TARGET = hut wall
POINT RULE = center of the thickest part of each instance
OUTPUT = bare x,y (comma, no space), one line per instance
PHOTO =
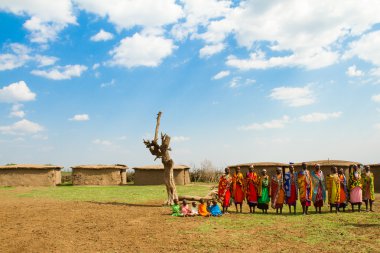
375,169
187,176
58,176
123,176
156,177
96,177
29,177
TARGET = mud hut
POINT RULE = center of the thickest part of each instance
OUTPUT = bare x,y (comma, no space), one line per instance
269,166
30,175
327,164
375,169
99,174
154,175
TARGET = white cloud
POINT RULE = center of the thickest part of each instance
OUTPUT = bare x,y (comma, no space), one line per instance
210,50
17,111
180,138
366,48
42,32
317,116
221,75
44,60
57,11
80,117
61,72
293,96
16,92
310,60
273,124
102,36
234,83
199,13
95,66
102,142
377,126
311,34
141,50
47,18
237,82
18,55
22,127
128,14
376,98
354,72
108,84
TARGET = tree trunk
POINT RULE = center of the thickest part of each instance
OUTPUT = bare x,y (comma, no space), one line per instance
169,182
162,152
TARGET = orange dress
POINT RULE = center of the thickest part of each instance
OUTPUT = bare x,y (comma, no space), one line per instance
202,210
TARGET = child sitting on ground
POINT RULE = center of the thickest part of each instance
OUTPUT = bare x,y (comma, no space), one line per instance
202,209
194,208
215,209
186,211
176,209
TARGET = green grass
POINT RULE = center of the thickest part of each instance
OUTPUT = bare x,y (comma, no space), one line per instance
126,194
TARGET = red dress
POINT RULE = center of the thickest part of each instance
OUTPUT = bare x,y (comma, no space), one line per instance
224,190
252,181
238,188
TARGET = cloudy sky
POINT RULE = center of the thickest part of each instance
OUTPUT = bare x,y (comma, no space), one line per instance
81,81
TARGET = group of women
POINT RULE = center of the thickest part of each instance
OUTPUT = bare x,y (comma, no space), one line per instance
287,187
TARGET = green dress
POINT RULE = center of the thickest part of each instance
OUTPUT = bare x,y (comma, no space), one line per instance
264,198
176,210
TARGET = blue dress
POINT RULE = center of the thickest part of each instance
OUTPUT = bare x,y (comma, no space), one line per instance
215,210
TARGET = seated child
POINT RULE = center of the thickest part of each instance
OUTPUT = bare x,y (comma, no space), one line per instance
176,209
194,208
186,211
215,209
202,209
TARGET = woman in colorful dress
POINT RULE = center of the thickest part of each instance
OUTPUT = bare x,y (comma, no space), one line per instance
355,186
333,189
305,188
263,192
238,189
368,188
291,189
343,195
252,182
277,191
224,190
319,188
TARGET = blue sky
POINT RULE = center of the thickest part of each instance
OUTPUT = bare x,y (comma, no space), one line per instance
81,81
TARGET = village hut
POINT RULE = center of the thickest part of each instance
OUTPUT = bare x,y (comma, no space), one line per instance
327,164
99,174
30,175
154,175
375,169
269,166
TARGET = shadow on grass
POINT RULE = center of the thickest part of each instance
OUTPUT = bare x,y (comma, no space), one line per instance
124,204
363,225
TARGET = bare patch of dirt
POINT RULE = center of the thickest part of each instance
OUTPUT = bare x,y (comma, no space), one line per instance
37,225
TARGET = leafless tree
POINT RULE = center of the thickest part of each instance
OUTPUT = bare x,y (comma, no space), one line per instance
161,151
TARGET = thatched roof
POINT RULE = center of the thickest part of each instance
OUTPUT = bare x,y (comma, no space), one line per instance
30,167
374,165
259,164
161,167
101,167
338,163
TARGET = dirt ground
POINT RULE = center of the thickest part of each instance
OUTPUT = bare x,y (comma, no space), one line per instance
35,225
